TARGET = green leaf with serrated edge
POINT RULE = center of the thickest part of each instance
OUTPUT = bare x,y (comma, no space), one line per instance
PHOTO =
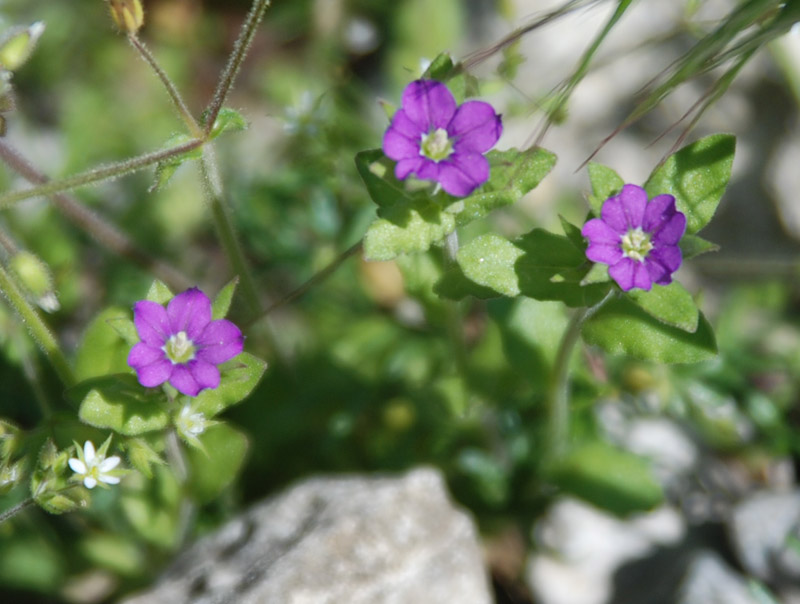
551,269
440,68
159,293
423,224
597,274
621,327
612,479
696,176
119,402
489,261
102,350
670,304
238,378
573,233
228,120
222,303
605,183
213,473
692,245
513,174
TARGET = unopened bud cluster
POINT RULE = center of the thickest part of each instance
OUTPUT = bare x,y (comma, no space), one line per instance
127,14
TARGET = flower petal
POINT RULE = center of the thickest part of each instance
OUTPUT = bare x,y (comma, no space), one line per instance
429,104
601,252
205,374
408,166
634,201
221,340
108,479
155,374
599,232
143,354
189,311
629,273
88,453
109,464
77,465
151,322
476,127
462,173
658,209
403,137
670,231
89,482
183,380
669,255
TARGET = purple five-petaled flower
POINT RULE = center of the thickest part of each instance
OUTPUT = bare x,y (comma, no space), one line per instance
181,344
636,238
434,139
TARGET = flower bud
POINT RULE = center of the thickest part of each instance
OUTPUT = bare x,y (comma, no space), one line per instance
35,276
17,44
10,440
127,14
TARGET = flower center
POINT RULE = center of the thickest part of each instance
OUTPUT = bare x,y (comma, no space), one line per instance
636,244
436,145
179,348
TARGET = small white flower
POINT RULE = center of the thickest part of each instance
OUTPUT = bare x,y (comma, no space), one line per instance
94,467
190,424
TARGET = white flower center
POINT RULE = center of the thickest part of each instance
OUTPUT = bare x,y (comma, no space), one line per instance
436,145
636,244
179,348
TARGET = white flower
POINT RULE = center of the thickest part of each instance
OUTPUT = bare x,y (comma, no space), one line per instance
190,424
94,467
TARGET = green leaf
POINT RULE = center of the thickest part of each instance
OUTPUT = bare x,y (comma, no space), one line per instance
142,456
238,378
228,120
153,510
166,168
670,304
440,68
610,478
622,327
696,176
513,174
213,473
489,261
120,403
411,229
573,232
605,183
377,172
102,349
597,274
692,245
222,303
159,293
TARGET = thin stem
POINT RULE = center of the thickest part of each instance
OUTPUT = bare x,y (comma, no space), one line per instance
455,331
172,91
315,280
177,460
97,174
226,232
558,399
103,232
11,512
235,61
37,328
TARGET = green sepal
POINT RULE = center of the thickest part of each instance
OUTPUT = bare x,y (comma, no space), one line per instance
239,377
605,183
141,455
167,167
222,303
692,246
228,120
17,44
622,327
696,176
119,402
159,293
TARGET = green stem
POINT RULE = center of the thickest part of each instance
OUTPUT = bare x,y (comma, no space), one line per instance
97,174
11,512
41,334
226,232
172,91
558,396
455,331
103,232
235,61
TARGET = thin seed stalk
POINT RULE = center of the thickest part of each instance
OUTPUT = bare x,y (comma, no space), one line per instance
11,512
37,328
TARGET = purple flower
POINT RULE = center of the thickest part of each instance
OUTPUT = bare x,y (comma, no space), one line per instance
434,139
638,240
181,344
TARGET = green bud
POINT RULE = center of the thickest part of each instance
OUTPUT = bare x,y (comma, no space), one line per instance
10,439
11,475
59,503
142,456
127,14
17,44
35,276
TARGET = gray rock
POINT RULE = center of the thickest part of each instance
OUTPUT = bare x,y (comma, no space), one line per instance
354,539
710,581
760,527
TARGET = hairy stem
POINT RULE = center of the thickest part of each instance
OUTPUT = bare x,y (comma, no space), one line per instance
103,232
11,512
37,328
558,398
97,174
235,61
169,86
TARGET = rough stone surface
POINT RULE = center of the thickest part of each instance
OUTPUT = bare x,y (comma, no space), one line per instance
333,540
711,581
